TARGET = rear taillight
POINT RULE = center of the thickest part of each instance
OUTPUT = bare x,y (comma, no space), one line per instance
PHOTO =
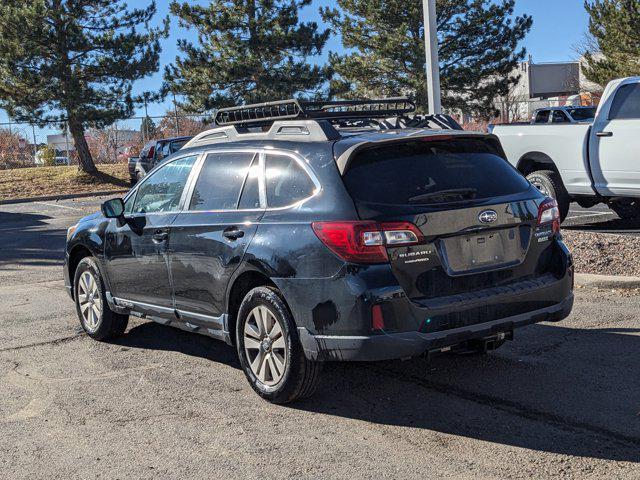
548,212
366,242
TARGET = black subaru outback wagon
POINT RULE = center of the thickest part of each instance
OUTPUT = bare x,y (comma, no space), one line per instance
302,232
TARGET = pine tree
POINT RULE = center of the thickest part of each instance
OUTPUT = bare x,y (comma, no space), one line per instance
478,48
74,61
247,51
613,49
148,128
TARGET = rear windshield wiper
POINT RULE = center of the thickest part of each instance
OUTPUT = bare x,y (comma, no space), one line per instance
454,194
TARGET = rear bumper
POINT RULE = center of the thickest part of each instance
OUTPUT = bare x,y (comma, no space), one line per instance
413,344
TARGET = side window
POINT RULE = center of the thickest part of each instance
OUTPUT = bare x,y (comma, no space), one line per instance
166,150
542,116
160,154
161,191
559,117
175,146
286,181
626,103
128,205
220,181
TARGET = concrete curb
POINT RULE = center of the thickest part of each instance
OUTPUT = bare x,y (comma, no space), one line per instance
62,197
607,281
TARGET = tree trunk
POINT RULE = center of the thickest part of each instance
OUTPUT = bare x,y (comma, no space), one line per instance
85,161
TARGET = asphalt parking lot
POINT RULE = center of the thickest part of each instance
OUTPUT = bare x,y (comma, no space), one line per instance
562,400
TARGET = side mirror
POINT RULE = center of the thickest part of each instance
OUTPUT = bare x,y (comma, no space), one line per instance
113,208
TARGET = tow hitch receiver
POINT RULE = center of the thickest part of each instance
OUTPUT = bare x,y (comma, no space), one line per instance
475,346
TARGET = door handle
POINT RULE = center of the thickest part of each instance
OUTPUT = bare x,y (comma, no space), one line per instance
604,134
160,236
232,233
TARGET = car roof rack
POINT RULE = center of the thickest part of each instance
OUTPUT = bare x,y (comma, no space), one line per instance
264,113
314,121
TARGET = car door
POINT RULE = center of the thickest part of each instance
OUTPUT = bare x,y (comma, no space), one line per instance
615,142
209,238
136,251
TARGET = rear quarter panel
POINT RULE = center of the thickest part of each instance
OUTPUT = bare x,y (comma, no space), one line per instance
286,249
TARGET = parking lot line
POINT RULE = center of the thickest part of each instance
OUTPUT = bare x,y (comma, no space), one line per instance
59,206
581,215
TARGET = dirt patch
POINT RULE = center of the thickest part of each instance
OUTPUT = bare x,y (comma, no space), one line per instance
604,254
60,180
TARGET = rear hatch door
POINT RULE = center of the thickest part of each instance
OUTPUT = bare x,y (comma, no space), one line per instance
476,216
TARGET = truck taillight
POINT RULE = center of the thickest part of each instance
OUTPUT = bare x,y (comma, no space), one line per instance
548,212
366,242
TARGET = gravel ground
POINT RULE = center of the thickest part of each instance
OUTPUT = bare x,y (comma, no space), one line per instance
604,254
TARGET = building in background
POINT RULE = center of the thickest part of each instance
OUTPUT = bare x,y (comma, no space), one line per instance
546,85
109,144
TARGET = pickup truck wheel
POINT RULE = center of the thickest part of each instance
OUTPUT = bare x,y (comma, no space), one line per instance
550,184
269,349
626,211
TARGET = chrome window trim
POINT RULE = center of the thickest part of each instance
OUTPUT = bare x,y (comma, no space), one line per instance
262,181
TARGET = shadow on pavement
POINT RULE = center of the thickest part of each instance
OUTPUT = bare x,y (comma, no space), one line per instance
153,336
560,390
27,240
568,391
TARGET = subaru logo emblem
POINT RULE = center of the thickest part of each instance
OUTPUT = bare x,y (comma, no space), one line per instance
488,216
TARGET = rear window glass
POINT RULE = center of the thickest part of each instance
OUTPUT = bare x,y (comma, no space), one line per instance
429,172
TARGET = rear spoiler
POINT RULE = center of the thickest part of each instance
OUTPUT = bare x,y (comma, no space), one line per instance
344,158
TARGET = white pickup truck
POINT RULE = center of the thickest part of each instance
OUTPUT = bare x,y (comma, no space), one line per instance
585,163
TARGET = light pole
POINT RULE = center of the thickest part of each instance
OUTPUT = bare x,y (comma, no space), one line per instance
431,50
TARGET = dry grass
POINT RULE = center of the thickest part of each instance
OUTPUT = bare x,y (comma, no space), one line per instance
61,180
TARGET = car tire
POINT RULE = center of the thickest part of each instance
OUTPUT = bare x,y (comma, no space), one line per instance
269,349
626,211
550,184
96,318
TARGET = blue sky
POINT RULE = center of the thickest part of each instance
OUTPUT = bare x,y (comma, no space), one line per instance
557,26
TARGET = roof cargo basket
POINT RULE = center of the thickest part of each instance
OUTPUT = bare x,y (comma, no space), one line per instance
262,113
